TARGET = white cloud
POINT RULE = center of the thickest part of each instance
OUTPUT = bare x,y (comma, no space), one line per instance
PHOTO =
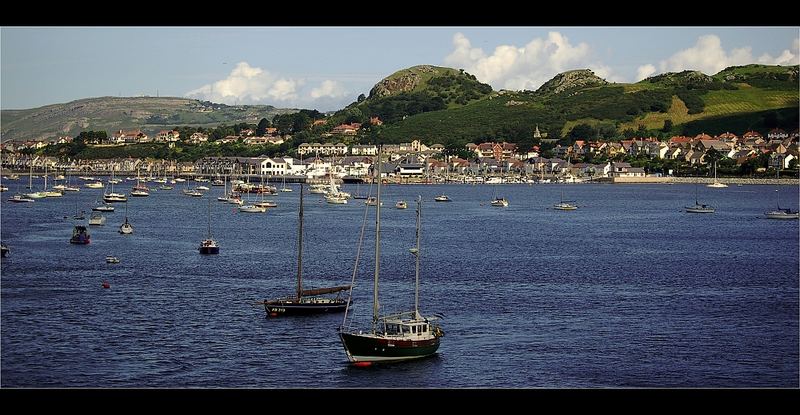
245,84
709,57
527,67
644,71
328,88
253,85
606,72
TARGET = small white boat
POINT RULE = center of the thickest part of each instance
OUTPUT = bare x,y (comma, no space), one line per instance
252,209
115,197
500,202
372,201
783,214
94,185
698,208
441,198
401,204
112,259
126,228
193,193
103,208
97,219
336,199
266,204
564,206
20,199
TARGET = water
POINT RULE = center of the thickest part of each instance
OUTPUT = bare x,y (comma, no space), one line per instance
627,291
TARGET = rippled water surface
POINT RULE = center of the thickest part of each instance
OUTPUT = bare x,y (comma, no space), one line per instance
628,290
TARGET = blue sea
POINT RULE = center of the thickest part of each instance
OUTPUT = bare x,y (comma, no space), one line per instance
627,291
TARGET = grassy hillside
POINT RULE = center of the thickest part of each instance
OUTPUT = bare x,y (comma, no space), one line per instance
736,98
114,113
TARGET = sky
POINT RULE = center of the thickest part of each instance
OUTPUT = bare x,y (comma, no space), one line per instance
326,68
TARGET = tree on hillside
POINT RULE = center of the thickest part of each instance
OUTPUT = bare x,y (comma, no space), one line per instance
261,129
581,131
667,125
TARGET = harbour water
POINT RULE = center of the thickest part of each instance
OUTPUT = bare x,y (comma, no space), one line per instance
626,291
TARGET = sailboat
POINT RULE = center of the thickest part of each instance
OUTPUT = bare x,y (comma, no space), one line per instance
126,228
499,201
32,195
716,183
305,301
443,197
112,196
209,245
564,204
698,208
140,189
285,189
782,213
393,337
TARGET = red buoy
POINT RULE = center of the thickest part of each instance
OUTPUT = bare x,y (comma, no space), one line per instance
273,314
106,284
362,364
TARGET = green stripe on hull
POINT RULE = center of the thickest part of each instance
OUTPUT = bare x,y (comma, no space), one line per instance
361,348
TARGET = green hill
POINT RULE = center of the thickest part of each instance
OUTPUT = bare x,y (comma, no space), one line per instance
755,96
149,114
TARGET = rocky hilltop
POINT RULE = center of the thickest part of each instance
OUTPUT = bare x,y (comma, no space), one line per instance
571,81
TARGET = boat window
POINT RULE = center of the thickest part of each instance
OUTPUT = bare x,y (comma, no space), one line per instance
424,329
413,329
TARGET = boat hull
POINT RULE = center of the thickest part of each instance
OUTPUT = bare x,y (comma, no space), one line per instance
781,215
368,348
288,308
699,210
209,250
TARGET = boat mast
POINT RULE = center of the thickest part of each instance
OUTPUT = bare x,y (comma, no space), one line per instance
416,254
377,246
300,248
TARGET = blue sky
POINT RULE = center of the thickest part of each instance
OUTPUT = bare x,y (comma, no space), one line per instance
327,68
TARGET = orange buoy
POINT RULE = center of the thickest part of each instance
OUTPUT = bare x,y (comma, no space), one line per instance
362,364
273,314
106,284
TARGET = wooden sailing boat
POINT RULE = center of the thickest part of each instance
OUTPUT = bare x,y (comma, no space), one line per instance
209,245
305,301
393,337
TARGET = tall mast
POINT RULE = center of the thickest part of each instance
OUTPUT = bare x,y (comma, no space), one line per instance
300,248
377,246
416,254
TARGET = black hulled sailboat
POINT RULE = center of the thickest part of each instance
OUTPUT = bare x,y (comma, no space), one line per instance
306,301
392,337
209,246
